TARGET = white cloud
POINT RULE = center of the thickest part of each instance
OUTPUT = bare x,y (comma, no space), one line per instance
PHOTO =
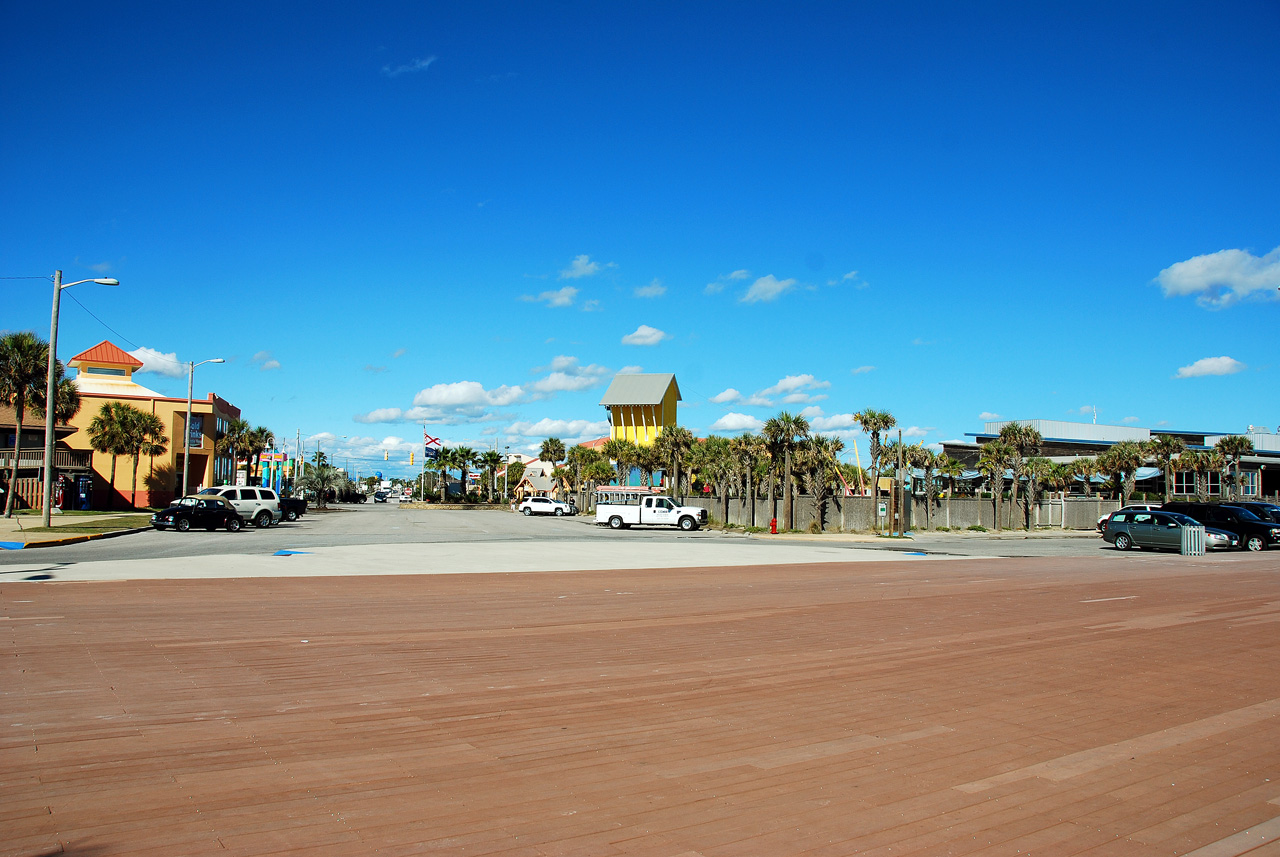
862,370
795,389
1223,278
796,398
592,305
559,428
917,431
645,335
726,396
630,370
1211,366
1129,420
852,275
265,361
568,376
380,415
417,64
159,363
467,393
833,422
737,422
767,288
713,288
399,352
740,274
759,401
557,298
987,416
653,290
582,266
268,365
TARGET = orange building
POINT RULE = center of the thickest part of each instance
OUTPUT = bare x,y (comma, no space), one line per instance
104,374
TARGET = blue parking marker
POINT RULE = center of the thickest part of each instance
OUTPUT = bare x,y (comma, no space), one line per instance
916,553
288,553
12,546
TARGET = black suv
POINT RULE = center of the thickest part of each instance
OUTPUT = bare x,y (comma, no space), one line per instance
1255,534
1265,511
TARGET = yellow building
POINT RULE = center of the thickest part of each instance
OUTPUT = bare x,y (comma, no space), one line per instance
641,406
104,373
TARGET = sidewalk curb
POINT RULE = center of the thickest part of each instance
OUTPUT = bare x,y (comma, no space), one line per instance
88,537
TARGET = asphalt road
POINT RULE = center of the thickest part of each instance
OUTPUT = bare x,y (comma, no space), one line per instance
379,524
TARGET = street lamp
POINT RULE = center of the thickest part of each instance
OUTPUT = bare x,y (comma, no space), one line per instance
186,443
58,286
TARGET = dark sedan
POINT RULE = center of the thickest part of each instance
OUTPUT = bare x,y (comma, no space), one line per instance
208,511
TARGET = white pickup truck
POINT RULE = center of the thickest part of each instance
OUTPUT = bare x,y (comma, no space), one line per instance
655,511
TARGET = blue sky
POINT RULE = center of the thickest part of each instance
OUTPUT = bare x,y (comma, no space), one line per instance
474,214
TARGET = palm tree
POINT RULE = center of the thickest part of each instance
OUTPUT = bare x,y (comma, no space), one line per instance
1163,447
1059,478
1024,441
622,453
993,462
674,445
648,459
442,464
873,422
596,472
952,469
713,461
1039,471
322,479
927,460
552,451
490,460
236,439
819,461
1121,462
748,452
463,456
786,430
24,361
106,435
1233,448
1198,464
259,440
142,433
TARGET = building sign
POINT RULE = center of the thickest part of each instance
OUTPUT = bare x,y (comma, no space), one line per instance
196,431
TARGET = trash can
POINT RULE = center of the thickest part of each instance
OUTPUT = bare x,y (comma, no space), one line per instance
1193,540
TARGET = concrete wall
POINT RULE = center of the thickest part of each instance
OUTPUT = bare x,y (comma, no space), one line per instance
858,513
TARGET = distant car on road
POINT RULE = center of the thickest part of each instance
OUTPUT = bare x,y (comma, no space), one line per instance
546,506
379,496
1255,533
1132,507
1159,530
260,505
207,512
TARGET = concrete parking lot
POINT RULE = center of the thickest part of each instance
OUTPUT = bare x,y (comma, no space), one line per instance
1108,704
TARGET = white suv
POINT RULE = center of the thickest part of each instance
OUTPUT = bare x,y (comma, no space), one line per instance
260,505
546,506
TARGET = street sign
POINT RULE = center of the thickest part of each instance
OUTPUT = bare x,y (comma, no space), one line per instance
882,509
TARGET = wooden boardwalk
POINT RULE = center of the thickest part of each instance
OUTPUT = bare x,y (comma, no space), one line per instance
1126,705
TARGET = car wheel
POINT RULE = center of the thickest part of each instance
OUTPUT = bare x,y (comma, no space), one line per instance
262,520
687,524
1123,542
527,511
233,525
1255,543
290,515
615,523
559,512
183,525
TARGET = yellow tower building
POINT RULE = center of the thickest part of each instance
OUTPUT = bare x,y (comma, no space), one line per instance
641,406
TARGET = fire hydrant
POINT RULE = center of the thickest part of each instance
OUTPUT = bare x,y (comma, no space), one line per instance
773,526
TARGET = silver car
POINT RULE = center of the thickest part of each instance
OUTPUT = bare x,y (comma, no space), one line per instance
1158,530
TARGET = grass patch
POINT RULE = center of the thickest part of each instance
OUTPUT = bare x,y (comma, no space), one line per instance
107,525
977,528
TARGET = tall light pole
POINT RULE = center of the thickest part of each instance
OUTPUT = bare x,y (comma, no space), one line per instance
58,286
186,443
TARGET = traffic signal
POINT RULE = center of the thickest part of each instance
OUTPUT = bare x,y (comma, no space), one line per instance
385,454
411,458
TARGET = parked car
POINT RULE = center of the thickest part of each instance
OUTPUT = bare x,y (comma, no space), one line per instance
650,511
546,506
1159,530
1265,511
260,505
211,513
292,508
1255,534
1132,507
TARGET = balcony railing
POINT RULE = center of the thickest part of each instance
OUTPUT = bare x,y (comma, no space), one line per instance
65,459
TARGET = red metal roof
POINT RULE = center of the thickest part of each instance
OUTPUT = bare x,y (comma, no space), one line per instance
106,354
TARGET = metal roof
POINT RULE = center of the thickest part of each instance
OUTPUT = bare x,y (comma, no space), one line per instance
639,389
106,353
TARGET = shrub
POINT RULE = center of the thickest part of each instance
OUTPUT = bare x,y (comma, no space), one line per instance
977,528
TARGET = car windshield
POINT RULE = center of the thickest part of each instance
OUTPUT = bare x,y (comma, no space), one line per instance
188,501
209,491
1181,518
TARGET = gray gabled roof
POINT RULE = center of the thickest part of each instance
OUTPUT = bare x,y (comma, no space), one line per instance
639,389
